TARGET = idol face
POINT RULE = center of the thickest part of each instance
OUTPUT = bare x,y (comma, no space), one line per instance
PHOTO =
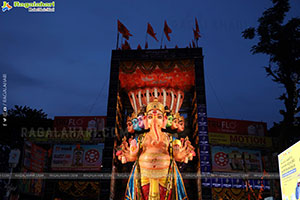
174,124
169,121
180,126
135,123
130,127
155,118
141,121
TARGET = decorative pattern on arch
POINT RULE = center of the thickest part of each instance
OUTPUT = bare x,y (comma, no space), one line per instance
178,74
147,67
165,80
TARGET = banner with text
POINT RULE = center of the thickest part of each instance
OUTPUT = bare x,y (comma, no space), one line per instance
239,140
77,157
84,123
232,159
242,127
289,171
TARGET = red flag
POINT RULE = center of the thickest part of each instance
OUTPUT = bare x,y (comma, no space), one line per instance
176,47
123,30
139,47
126,46
150,31
196,35
194,46
197,27
167,30
146,45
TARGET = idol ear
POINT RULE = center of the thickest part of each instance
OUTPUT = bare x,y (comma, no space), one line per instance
146,122
165,121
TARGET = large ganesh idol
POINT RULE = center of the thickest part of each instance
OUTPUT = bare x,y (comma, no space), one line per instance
155,175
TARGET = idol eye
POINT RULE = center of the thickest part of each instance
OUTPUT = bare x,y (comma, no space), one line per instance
160,117
149,117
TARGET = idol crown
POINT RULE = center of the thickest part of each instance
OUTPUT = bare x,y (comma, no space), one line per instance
155,105
133,116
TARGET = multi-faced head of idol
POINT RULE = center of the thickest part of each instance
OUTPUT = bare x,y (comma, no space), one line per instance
129,125
180,124
175,121
169,120
141,117
135,123
141,121
154,118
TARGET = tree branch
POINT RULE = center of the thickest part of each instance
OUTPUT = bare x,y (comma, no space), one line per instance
271,73
249,33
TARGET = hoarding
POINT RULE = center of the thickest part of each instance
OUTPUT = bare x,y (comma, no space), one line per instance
34,157
243,127
231,159
84,123
239,140
289,171
77,157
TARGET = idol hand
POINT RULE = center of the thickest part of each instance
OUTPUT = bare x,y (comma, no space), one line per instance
184,152
127,153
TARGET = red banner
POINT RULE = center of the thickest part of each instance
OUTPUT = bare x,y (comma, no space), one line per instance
242,127
34,157
80,123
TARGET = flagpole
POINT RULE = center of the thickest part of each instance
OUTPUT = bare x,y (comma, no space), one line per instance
121,41
162,37
146,39
117,41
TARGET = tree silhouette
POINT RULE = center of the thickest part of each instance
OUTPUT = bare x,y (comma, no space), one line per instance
281,43
23,117
17,118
